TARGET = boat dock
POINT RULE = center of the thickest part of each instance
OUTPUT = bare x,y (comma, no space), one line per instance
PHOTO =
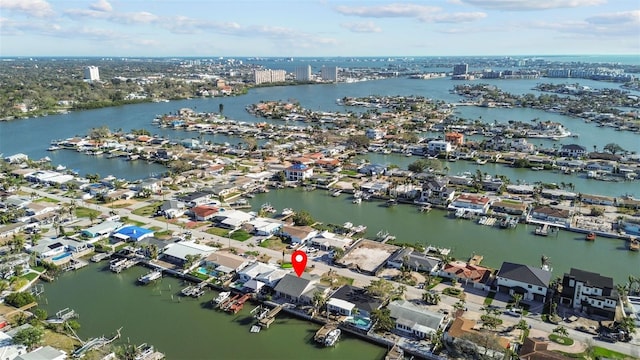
270,317
238,304
542,230
194,291
395,353
476,260
322,333
117,265
227,303
95,343
100,256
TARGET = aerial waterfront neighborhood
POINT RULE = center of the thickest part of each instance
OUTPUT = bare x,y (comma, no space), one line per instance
207,219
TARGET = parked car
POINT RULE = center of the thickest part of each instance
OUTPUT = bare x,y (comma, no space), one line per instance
517,312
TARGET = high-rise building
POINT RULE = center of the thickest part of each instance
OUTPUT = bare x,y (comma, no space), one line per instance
303,73
329,73
268,76
460,69
91,73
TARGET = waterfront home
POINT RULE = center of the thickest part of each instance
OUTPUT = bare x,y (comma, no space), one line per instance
16,158
491,184
498,143
298,172
347,298
120,194
9,349
550,214
40,208
436,147
16,201
375,134
263,226
510,207
574,151
532,283
556,194
48,177
436,192
254,270
463,272
271,278
299,290
598,200
373,169
298,234
176,253
225,262
589,292
60,249
628,202
131,233
204,212
327,240
415,321
463,179
470,202
103,229
454,138
522,145
465,330
232,219
601,166
414,260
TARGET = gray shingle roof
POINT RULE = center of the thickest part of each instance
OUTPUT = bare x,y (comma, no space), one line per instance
525,274
293,285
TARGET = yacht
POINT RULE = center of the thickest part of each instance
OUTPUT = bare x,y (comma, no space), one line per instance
149,277
221,297
332,337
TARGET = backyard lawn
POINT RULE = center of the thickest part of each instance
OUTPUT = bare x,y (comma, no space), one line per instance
274,243
83,212
148,210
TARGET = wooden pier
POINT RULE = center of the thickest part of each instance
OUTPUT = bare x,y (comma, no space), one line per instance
117,265
476,260
395,353
270,317
227,303
321,334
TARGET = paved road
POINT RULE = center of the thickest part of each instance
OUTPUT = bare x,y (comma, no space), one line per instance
474,303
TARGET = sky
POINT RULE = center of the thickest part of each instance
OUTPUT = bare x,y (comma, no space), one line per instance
299,28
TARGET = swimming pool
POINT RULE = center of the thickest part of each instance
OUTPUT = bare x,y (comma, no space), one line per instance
61,256
360,322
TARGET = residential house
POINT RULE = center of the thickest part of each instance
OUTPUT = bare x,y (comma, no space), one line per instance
299,289
454,138
550,214
498,143
103,229
573,151
462,329
373,169
536,349
177,253
471,202
204,212
347,298
375,134
327,240
225,262
556,194
589,292
263,226
491,184
532,283
195,198
254,270
522,145
298,234
57,250
298,172
43,353
598,200
414,260
464,272
131,233
439,146
415,321
271,278
435,191
511,207
152,184
172,209
232,219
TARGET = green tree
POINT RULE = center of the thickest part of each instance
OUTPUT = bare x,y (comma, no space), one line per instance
41,314
19,299
361,141
613,148
418,166
382,320
303,218
29,337
380,288
561,330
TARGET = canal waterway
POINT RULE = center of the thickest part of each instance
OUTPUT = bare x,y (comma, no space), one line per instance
465,238
184,328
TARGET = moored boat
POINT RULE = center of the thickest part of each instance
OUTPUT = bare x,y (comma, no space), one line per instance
590,236
149,277
221,297
634,244
332,337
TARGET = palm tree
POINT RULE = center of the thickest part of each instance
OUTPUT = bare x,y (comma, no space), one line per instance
522,326
516,299
561,330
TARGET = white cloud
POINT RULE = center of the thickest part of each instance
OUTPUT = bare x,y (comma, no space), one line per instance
523,5
101,5
362,27
36,8
454,17
384,11
622,17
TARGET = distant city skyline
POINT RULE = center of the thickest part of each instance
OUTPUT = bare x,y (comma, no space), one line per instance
351,28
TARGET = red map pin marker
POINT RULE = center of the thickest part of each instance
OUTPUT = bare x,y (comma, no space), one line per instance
299,261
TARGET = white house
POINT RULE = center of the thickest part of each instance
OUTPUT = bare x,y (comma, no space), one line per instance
298,234
532,283
470,202
414,320
439,146
298,172
254,270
